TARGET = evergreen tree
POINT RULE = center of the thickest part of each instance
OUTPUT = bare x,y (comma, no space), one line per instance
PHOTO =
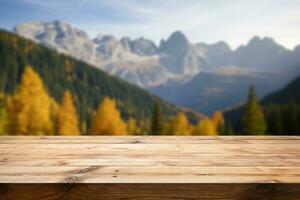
3,118
228,130
253,120
274,119
205,127
157,121
277,121
283,118
298,111
107,120
67,117
54,115
290,116
29,109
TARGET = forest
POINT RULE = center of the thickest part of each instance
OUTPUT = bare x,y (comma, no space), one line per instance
32,111
281,111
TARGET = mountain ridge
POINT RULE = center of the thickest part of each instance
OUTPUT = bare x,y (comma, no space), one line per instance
175,57
176,60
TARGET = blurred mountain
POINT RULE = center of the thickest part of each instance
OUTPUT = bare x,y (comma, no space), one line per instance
140,46
177,63
261,53
180,57
208,92
138,61
224,82
217,54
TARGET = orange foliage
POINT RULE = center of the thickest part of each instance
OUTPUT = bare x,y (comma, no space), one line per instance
205,127
179,125
107,120
29,109
218,120
67,117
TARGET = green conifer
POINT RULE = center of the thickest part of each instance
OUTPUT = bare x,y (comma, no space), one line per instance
253,120
157,121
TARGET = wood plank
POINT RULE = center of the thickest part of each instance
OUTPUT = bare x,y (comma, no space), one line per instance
149,162
149,191
105,167
169,170
138,174
268,148
136,154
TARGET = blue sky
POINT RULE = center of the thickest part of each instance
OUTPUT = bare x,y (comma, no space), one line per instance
234,21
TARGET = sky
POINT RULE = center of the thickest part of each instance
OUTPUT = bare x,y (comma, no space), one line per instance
209,21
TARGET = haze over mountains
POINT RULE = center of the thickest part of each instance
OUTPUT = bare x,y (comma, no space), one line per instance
197,75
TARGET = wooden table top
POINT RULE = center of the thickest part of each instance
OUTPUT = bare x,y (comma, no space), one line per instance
149,159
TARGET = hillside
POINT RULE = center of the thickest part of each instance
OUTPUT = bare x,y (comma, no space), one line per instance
290,92
283,103
208,92
60,72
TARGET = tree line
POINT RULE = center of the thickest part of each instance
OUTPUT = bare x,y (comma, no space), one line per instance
32,111
283,119
270,119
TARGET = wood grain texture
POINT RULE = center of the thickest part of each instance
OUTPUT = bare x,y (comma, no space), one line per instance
149,191
135,167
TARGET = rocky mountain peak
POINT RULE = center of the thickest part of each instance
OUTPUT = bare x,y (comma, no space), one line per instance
257,41
222,46
177,36
297,49
176,44
98,38
143,47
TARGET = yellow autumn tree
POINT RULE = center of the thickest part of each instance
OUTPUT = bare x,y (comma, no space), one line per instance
132,127
218,120
107,120
67,117
205,127
179,125
29,109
